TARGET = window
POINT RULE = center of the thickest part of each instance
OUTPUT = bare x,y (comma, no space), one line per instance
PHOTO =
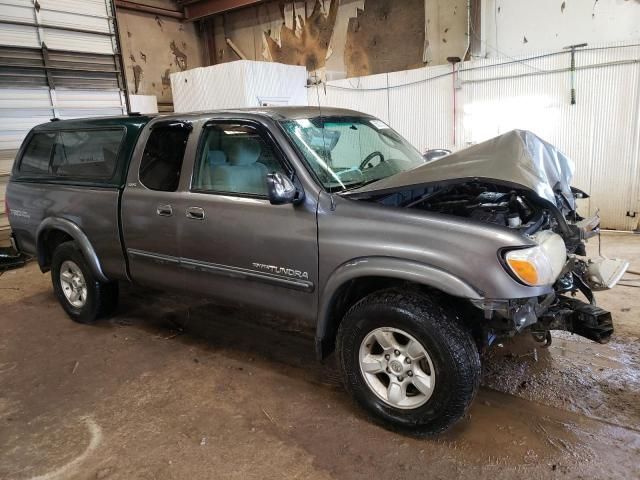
37,154
162,158
349,152
234,159
87,153
79,154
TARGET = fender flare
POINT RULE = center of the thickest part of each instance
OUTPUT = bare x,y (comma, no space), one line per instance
74,231
390,267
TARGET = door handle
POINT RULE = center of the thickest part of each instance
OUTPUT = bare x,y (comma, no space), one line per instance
195,213
164,210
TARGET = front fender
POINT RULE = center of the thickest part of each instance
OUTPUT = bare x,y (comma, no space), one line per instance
74,231
388,267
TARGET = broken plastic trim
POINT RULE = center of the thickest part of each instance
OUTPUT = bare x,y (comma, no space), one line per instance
584,319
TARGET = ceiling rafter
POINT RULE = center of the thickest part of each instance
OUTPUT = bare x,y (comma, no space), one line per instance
197,9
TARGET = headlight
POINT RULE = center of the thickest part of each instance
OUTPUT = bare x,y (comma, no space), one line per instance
539,265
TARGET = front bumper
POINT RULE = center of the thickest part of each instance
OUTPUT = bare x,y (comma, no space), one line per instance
505,318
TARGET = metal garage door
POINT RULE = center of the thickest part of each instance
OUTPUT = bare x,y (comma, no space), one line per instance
58,58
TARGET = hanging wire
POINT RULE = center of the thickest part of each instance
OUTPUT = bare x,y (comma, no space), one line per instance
482,67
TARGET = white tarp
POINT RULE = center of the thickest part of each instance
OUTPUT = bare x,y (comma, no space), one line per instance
244,83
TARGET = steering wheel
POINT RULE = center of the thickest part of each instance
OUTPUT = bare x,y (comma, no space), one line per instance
370,157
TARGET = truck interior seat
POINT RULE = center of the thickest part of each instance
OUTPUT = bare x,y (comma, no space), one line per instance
242,174
214,158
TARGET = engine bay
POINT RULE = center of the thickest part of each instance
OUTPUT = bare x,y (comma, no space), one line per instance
537,219
485,203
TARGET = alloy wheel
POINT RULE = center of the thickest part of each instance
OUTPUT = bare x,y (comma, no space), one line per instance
397,368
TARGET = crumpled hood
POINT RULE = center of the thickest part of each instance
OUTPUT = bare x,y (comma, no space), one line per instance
517,158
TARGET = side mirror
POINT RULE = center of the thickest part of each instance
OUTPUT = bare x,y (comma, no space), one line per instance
435,153
282,190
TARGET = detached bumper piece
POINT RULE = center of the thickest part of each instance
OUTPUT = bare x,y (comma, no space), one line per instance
578,317
10,259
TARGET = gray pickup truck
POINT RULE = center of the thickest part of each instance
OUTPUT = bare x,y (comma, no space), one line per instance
408,269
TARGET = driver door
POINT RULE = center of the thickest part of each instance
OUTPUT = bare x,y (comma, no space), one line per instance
235,245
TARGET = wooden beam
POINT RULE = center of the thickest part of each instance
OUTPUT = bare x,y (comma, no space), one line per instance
140,7
195,10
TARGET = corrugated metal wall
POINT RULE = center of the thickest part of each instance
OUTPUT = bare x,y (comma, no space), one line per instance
58,58
601,132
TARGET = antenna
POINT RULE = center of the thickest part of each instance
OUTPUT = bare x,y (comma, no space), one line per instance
324,142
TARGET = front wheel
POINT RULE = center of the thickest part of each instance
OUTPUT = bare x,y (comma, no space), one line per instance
408,362
81,294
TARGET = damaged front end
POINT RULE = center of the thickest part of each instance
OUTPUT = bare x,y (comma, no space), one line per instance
518,181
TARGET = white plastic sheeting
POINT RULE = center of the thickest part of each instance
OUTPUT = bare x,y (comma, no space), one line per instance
243,83
601,132
146,104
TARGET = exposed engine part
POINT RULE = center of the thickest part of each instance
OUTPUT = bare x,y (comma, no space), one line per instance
513,220
543,337
513,316
575,316
483,202
565,283
588,227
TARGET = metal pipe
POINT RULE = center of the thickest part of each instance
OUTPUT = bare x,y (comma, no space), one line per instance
573,48
555,70
502,64
454,61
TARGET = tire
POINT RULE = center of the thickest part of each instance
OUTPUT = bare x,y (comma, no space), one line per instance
95,299
448,372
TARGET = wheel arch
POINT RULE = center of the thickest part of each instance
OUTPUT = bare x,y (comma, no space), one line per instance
358,278
54,230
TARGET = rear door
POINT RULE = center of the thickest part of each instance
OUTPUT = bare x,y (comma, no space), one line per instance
234,244
149,214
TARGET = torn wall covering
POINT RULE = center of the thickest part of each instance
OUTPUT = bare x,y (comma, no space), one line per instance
385,37
308,46
388,34
153,47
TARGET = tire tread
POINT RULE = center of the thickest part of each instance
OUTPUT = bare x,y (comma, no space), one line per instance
458,341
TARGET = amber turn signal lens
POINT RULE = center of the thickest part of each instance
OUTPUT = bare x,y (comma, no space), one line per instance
525,270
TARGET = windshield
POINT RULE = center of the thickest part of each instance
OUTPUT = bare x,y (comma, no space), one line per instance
350,152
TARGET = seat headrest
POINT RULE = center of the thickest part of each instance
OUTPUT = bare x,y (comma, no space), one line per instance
243,151
216,157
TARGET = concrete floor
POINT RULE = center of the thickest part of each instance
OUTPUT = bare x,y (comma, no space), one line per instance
171,388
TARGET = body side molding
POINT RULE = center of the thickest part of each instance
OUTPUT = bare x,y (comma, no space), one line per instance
226,270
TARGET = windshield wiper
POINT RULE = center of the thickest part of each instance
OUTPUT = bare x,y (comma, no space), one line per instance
355,186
